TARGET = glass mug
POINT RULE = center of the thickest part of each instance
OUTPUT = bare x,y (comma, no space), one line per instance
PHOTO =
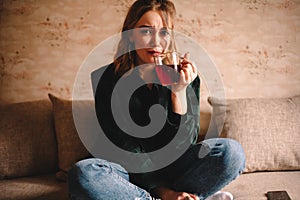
167,67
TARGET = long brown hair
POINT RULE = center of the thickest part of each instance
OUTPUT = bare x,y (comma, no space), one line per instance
125,57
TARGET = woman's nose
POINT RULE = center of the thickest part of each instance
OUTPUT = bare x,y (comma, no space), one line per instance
155,40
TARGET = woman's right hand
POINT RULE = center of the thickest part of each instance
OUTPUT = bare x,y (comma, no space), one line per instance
168,194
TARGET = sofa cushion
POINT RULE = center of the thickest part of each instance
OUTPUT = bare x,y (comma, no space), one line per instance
252,186
27,139
36,187
268,129
70,147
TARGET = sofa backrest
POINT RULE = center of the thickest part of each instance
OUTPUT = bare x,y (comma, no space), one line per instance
27,139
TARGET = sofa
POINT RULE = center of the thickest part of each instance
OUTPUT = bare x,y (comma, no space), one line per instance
39,143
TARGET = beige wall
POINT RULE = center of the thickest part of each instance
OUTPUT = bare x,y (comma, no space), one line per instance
254,44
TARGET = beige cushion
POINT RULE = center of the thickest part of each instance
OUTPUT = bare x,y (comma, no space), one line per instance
70,147
254,186
27,139
268,129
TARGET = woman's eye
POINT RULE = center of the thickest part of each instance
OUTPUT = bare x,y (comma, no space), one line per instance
164,32
146,31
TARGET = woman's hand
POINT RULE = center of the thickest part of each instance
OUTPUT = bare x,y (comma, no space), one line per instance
188,73
168,194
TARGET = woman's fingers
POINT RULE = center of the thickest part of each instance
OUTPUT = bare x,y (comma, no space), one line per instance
188,73
187,55
189,70
187,196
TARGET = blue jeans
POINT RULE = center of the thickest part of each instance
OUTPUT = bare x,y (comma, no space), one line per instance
98,179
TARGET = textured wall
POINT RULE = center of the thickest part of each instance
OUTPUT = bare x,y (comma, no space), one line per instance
255,44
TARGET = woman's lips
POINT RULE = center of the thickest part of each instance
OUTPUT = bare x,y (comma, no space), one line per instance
155,53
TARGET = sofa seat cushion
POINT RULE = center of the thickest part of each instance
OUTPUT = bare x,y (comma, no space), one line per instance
36,187
251,186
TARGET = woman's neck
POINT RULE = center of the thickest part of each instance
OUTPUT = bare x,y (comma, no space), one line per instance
147,74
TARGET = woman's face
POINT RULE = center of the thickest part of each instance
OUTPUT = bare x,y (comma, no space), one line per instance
150,37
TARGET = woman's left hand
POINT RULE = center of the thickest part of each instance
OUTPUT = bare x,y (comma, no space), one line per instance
188,73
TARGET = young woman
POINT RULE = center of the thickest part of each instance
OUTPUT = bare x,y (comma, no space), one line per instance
149,24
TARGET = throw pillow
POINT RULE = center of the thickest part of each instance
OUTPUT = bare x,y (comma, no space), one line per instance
70,147
27,139
268,130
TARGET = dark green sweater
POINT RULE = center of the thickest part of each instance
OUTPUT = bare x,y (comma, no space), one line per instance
140,102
